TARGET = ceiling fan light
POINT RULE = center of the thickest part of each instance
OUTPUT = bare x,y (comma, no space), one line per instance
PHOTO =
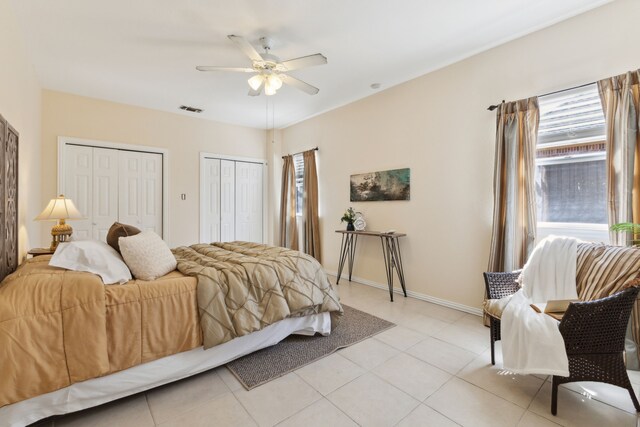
256,81
269,90
274,81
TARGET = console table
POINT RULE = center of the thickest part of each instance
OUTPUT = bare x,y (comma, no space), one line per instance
390,252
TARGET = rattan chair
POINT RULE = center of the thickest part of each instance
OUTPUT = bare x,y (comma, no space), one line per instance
499,285
594,334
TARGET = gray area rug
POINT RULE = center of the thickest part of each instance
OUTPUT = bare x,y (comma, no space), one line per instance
297,351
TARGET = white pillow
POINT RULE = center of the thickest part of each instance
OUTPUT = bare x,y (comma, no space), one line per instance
93,256
147,255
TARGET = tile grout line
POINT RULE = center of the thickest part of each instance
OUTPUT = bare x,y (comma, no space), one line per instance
146,399
245,408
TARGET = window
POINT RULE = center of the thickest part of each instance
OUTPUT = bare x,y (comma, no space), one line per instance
298,163
570,165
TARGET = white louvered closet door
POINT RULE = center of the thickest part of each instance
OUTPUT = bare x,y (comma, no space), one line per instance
210,220
140,190
78,186
105,191
249,202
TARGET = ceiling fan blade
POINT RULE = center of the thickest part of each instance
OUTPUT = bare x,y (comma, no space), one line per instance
304,62
235,69
257,91
299,84
246,47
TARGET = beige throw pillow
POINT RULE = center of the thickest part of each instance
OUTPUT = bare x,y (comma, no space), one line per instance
147,255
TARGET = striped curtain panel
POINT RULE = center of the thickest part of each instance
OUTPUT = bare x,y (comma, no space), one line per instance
514,203
288,206
619,96
310,206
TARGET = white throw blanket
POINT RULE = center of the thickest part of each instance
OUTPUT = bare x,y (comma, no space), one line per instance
531,342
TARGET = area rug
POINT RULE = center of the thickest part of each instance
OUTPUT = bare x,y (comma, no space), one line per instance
297,351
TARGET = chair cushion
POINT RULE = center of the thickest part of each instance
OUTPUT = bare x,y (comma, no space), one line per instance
603,270
495,307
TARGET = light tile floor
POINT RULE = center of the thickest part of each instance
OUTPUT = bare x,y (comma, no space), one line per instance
433,369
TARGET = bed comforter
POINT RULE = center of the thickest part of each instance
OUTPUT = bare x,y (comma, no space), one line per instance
243,287
58,327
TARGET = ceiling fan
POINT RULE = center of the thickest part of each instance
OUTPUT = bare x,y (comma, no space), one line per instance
270,70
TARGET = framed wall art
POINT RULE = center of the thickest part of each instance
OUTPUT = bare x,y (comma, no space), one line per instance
392,184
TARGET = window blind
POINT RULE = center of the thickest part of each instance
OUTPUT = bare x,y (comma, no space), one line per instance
571,115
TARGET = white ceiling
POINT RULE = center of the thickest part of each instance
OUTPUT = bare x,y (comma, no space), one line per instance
144,52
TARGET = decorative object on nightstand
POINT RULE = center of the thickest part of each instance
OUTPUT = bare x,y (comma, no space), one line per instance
60,209
349,217
40,251
360,224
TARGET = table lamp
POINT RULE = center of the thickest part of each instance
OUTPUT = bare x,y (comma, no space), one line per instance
60,209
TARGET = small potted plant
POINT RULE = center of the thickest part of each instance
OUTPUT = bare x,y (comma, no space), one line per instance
628,227
349,216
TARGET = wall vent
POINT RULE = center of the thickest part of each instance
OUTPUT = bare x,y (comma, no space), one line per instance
190,109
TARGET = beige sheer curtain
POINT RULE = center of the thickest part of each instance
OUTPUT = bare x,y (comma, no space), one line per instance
311,236
514,205
288,204
619,96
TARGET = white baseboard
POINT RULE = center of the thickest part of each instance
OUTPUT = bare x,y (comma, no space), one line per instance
412,294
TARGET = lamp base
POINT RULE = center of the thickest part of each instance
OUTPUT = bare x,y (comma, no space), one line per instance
60,232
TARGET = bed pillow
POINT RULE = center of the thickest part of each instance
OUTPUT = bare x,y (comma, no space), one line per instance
118,230
147,255
92,256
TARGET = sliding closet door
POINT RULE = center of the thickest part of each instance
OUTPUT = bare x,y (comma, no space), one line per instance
210,211
105,191
78,186
140,190
249,202
227,200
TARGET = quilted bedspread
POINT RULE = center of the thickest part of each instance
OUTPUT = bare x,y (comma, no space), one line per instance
243,287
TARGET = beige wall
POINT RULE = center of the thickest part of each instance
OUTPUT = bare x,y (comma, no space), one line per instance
20,99
438,126
64,114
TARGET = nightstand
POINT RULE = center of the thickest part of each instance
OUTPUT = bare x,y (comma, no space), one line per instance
40,251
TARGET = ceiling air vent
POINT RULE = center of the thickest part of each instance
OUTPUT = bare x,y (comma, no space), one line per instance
190,109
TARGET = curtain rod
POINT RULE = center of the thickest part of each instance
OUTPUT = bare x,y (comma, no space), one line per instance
493,107
314,149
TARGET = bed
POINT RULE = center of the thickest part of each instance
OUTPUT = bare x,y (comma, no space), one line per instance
68,342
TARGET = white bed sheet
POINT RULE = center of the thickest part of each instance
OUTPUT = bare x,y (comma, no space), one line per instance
97,391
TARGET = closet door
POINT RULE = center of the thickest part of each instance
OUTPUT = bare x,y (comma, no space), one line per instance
210,211
105,191
249,202
78,186
227,200
151,192
129,188
140,190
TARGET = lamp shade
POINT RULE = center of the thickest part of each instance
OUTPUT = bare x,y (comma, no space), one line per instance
256,81
274,81
59,208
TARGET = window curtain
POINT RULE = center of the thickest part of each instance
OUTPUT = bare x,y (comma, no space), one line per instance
288,203
619,96
311,238
514,205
